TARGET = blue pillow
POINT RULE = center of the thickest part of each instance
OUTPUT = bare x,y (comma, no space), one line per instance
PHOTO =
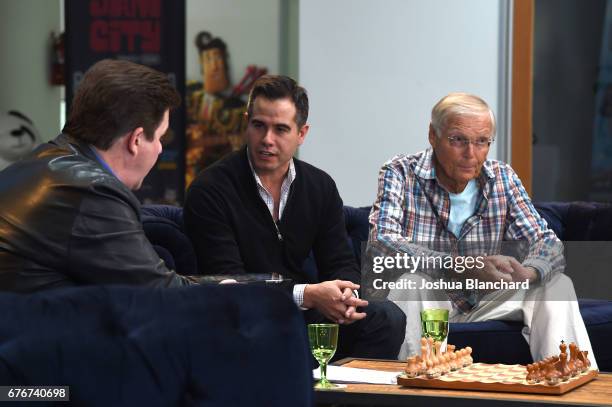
163,225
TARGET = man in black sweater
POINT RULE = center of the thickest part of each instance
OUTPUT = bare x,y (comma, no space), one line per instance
259,210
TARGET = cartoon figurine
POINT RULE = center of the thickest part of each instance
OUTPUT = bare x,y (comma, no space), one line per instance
214,115
213,63
18,136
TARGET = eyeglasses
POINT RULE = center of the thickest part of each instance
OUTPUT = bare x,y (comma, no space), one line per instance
462,141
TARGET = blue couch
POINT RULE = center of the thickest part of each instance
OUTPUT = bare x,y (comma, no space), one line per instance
492,341
207,345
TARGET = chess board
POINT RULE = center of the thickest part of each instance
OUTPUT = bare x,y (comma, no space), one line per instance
498,377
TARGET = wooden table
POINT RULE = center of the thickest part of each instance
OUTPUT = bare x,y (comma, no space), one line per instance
595,393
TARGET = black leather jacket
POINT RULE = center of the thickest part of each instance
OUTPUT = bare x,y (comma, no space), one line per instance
66,220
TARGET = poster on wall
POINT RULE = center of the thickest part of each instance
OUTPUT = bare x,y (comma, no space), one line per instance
148,32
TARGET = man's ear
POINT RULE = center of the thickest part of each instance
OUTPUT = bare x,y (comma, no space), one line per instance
302,133
432,136
134,140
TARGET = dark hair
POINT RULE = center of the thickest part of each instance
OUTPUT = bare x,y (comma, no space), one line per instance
205,41
116,97
274,87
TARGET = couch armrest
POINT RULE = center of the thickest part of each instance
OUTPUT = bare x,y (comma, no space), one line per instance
238,345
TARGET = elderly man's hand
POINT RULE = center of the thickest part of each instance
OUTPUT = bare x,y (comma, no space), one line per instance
335,300
522,273
500,267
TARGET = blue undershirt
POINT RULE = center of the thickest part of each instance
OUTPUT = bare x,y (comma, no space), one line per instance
462,207
101,160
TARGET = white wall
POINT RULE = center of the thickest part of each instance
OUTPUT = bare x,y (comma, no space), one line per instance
25,27
374,69
251,30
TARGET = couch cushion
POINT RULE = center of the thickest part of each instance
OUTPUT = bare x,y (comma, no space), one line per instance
119,346
588,221
163,225
357,228
555,214
356,221
169,212
597,315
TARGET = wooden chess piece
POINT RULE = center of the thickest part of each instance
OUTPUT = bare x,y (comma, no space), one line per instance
461,362
561,366
435,362
424,350
425,354
531,374
551,360
409,360
540,374
572,363
552,375
554,360
412,366
442,366
437,346
584,358
468,356
447,358
432,372
453,361
437,357
430,346
421,365
544,368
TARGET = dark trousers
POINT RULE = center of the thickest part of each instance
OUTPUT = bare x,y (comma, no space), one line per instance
377,336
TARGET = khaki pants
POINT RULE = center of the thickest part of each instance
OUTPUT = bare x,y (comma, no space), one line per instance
549,313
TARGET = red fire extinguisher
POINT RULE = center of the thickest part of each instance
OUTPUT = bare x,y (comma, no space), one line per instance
57,59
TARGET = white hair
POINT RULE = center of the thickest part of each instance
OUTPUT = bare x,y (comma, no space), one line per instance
459,104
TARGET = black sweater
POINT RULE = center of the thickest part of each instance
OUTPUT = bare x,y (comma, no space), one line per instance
233,232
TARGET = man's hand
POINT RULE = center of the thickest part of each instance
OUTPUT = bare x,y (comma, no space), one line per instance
500,267
522,273
353,302
335,300
496,268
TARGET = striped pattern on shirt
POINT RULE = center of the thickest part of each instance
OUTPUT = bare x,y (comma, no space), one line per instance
412,209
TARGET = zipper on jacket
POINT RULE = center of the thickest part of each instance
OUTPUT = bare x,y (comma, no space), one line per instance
278,233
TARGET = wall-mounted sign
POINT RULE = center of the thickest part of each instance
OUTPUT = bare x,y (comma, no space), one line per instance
148,32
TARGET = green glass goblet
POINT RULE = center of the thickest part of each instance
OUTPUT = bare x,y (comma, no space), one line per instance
323,343
434,324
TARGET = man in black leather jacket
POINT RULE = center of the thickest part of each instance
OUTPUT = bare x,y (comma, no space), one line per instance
67,213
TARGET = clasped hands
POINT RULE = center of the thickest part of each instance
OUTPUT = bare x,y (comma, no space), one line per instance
500,267
335,300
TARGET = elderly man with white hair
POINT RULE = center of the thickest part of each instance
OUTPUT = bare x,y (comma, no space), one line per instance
449,199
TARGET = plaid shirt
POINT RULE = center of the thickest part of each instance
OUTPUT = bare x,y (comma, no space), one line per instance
412,210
